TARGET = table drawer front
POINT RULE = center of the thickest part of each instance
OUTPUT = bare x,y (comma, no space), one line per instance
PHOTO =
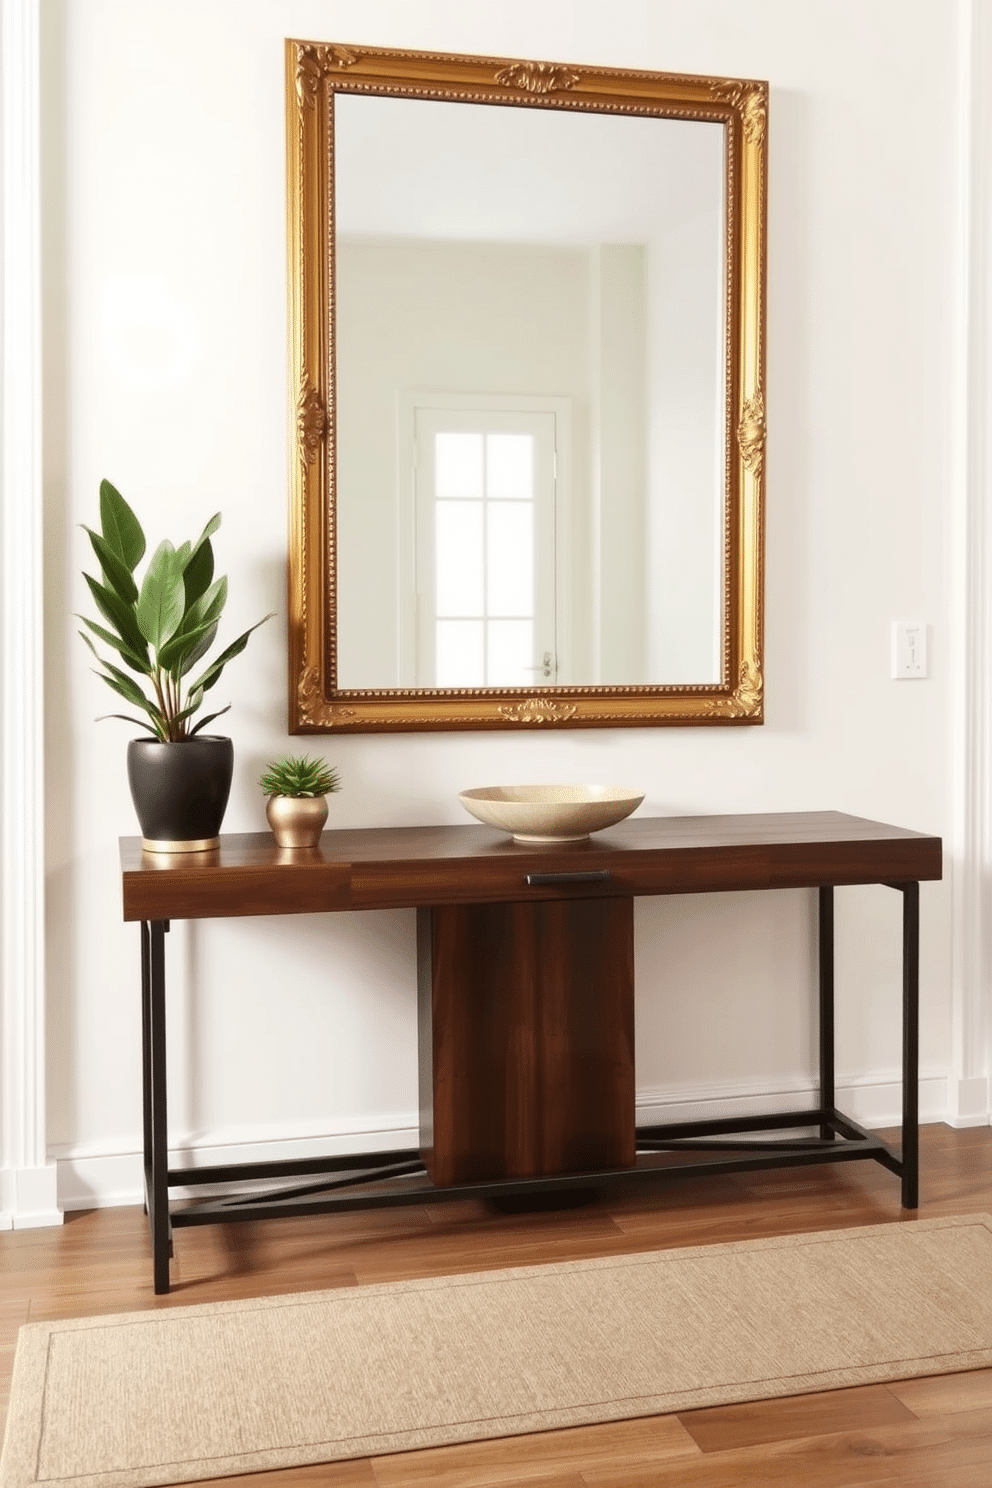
590,872
379,885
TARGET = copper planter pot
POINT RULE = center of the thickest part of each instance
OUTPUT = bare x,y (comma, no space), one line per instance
296,821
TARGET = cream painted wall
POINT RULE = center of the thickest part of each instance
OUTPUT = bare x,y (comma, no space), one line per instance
165,338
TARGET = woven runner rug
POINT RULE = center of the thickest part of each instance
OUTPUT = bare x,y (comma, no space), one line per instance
183,1393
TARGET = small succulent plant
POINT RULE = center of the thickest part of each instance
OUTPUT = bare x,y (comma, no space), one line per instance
299,775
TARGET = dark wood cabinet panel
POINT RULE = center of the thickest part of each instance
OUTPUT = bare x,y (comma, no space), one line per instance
586,955
527,1038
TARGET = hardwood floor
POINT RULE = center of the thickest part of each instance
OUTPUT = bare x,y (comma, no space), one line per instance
925,1433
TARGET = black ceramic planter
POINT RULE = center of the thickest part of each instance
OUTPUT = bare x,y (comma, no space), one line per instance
180,791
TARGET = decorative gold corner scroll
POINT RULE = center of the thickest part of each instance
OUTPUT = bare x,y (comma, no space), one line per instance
311,421
308,695
312,708
536,710
751,433
537,77
751,99
749,690
314,63
746,699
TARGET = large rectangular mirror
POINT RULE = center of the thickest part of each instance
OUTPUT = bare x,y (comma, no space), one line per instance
527,310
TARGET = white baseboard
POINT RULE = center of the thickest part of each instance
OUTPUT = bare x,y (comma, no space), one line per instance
873,1101
969,1103
29,1199
100,1176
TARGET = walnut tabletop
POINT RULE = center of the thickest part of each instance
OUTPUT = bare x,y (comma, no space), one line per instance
408,867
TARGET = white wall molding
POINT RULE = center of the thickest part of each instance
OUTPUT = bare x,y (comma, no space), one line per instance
104,1175
873,1100
968,1101
970,649
27,1178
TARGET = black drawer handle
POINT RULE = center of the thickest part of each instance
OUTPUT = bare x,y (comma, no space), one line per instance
540,880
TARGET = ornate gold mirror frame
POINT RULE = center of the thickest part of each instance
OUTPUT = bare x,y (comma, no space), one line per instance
315,73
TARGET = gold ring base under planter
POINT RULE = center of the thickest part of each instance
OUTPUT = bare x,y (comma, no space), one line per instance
193,844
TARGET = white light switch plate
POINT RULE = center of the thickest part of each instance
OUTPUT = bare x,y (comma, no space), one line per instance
909,649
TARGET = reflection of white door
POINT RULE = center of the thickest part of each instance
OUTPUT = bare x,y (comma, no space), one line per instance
483,601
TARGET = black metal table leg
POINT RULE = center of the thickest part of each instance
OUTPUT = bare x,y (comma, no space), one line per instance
146,1062
156,1115
910,1045
828,1099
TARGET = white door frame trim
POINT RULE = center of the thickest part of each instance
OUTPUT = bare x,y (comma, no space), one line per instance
970,842
27,1178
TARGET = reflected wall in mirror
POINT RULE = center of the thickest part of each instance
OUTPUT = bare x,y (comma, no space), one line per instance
527,352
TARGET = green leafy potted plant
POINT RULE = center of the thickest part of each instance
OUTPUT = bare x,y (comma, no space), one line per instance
297,787
162,628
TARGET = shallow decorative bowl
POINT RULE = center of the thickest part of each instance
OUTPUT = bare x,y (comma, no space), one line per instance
551,813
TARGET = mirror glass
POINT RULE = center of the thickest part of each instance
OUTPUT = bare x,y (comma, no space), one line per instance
531,410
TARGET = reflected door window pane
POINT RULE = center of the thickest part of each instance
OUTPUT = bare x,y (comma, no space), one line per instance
460,655
484,559
460,578
458,465
485,538
510,558
510,467
509,653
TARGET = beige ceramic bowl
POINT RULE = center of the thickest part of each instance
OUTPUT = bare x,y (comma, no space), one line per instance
551,813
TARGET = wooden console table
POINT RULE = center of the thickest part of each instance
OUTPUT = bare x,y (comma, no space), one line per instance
526,1001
